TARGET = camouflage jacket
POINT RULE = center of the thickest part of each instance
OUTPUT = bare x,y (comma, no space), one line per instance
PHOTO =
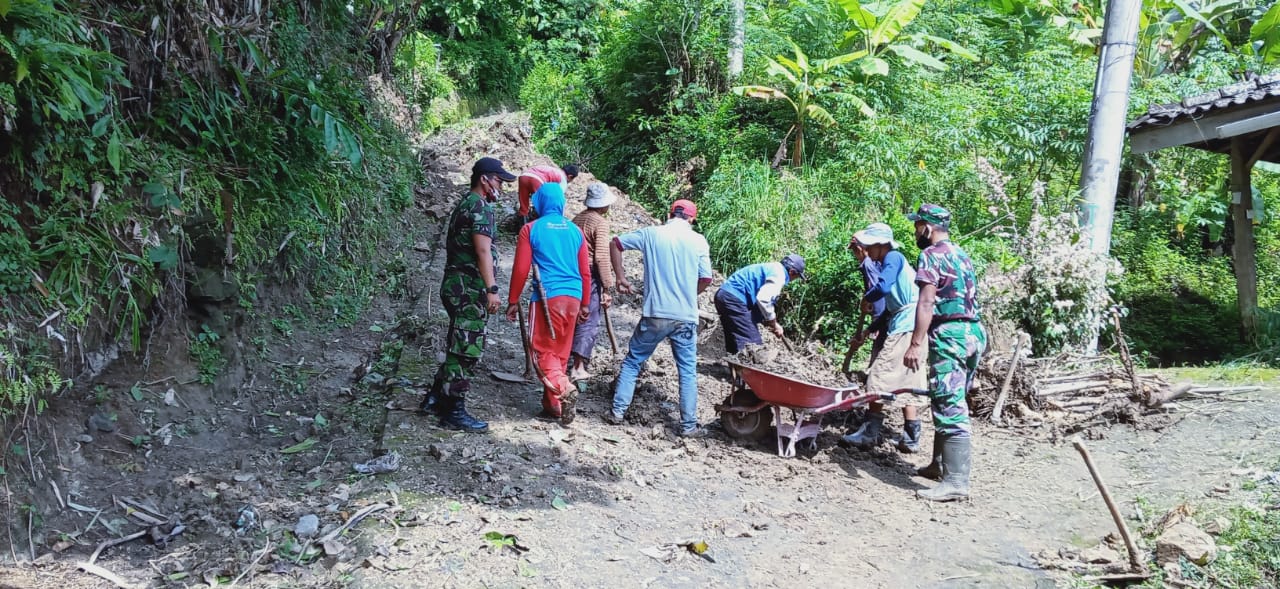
472,216
947,267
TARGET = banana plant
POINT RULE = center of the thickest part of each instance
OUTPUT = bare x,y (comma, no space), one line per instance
877,32
1264,34
807,83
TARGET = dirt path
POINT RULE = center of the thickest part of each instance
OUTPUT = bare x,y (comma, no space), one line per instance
592,504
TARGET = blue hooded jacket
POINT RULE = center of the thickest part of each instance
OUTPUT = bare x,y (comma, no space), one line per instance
557,244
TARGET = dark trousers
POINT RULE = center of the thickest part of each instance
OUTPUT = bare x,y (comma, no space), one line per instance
738,321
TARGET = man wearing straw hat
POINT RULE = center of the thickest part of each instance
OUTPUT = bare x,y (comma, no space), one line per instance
594,223
895,288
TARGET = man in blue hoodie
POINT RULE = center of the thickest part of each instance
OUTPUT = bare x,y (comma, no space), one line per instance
747,298
555,250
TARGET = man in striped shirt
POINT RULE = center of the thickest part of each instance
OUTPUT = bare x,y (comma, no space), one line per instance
594,223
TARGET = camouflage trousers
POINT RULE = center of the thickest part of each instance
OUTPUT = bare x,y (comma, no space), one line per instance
464,343
955,348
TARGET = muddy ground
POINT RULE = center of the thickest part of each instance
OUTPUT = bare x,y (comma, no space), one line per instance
534,504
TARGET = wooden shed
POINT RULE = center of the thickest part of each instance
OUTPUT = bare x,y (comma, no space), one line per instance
1243,121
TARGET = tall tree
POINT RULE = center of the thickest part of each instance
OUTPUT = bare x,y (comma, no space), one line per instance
737,37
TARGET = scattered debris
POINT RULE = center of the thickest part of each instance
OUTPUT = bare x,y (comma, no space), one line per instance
669,552
498,541
380,465
1066,394
246,519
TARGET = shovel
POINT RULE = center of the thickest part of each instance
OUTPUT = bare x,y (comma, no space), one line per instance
608,327
524,341
848,356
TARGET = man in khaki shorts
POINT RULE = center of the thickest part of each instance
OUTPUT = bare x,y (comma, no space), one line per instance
896,286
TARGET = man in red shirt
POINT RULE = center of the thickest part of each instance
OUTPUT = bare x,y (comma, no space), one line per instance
533,179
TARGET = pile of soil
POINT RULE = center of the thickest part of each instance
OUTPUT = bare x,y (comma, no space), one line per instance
799,363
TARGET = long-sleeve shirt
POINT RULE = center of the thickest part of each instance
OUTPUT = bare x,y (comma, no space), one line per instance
870,277
894,287
595,227
759,285
559,249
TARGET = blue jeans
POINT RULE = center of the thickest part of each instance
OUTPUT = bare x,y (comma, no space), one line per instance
684,346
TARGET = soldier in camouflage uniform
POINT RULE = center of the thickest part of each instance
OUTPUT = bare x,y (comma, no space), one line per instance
469,293
947,319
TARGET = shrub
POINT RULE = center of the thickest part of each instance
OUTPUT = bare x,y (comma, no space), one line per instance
418,72
555,100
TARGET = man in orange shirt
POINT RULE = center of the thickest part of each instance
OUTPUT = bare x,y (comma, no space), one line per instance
533,179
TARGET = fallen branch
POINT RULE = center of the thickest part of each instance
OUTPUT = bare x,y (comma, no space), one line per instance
1128,361
355,519
136,510
1135,560
96,570
57,493
1223,390
116,542
1008,380
265,550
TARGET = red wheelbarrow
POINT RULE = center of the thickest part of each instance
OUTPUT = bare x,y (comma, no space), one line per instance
743,415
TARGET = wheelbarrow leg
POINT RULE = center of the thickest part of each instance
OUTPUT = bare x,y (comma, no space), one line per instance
786,441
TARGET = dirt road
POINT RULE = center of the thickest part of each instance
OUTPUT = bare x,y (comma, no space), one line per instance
533,504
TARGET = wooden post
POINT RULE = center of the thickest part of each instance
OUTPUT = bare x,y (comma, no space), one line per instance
1135,558
1244,250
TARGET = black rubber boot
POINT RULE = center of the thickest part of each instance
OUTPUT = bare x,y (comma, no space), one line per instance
430,403
868,435
454,416
934,468
909,442
955,472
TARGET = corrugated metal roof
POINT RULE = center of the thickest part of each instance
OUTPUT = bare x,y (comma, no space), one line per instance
1193,107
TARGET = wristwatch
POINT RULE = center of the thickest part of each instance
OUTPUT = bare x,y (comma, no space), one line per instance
492,289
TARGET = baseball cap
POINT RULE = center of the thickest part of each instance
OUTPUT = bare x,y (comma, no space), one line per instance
932,214
876,234
489,165
795,263
685,206
599,196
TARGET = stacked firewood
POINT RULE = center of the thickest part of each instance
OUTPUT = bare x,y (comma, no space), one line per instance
1069,393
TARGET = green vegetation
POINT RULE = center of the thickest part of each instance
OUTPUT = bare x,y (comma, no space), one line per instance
265,155
978,105
1253,559
276,155
206,354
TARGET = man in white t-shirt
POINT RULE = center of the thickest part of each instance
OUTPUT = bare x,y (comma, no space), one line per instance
677,266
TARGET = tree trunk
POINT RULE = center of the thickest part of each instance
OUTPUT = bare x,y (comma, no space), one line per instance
737,37
797,151
1243,251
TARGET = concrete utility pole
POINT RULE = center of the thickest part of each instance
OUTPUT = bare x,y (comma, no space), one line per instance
1107,117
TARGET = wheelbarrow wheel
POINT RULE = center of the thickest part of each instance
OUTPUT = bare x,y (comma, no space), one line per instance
742,425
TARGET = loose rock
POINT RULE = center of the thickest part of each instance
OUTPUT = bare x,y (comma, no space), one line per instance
1185,540
307,526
